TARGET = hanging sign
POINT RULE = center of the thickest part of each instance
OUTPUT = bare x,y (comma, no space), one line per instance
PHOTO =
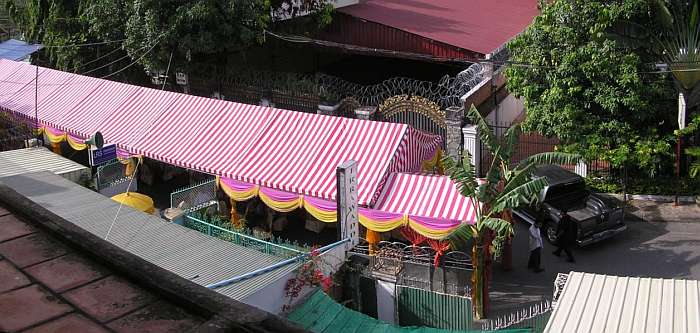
103,155
181,79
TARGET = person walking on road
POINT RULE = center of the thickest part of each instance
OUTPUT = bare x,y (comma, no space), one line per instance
566,236
535,248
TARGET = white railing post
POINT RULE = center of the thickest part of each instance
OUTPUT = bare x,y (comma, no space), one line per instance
581,169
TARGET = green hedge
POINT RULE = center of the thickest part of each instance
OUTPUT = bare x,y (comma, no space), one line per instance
637,185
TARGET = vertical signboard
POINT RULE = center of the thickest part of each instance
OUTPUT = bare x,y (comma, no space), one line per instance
346,176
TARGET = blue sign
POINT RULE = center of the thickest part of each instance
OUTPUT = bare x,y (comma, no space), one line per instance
103,155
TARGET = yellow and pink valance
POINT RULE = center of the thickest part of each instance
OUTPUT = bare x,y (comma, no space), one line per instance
378,220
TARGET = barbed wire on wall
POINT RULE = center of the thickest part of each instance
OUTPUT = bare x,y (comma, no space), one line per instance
446,92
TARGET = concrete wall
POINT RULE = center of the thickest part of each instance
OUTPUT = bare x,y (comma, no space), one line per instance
507,111
272,298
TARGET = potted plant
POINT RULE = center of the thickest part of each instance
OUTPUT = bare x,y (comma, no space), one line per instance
328,101
694,152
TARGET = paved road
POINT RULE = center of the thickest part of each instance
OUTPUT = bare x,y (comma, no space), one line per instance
666,250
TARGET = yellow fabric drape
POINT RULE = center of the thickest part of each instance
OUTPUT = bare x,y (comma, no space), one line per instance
433,164
75,144
236,220
282,207
58,138
373,239
130,168
241,196
56,147
55,138
430,233
322,215
381,226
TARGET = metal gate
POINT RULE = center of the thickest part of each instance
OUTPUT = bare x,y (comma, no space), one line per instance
416,111
194,197
418,307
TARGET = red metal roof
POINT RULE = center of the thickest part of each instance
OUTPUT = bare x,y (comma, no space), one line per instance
476,25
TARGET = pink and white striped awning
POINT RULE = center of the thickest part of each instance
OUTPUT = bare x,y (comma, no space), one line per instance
54,110
135,116
88,116
204,134
429,196
279,149
16,76
25,100
300,153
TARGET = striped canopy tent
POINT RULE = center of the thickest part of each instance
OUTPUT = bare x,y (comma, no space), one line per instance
288,158
14,76
204,134
133,115
431,204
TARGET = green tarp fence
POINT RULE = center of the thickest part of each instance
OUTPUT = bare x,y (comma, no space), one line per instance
320,313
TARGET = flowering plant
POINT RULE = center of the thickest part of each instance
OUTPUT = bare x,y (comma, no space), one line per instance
308,275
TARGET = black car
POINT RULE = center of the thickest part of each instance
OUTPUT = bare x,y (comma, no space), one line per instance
597,218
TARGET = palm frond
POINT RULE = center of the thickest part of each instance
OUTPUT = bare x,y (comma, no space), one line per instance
548,158
463,175
518,177
510,142
523,194
500,226
485,134
461,236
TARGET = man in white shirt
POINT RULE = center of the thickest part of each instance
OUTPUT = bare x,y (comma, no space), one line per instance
535,248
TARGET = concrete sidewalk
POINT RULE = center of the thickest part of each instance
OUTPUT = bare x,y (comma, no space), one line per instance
651,211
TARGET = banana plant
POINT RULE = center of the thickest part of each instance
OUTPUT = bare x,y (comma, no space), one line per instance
506,186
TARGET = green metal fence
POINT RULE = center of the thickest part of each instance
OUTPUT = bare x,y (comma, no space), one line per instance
241,239
418,307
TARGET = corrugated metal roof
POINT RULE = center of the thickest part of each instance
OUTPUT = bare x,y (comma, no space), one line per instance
14,162
322,314
17,50
602,303
476,25
188,253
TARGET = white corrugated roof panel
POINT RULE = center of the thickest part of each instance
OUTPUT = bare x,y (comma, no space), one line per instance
603,303
183,251
15,162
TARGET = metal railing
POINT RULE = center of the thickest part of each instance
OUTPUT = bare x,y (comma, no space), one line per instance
110,174
421,255
194,197
241,239
534,317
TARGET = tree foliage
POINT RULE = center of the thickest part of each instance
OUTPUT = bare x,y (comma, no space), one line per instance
588,78
155,33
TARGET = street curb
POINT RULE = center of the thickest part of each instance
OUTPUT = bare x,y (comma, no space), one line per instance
653,198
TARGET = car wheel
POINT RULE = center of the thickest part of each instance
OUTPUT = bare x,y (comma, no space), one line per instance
550,233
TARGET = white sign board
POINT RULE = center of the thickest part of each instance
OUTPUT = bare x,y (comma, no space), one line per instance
347,203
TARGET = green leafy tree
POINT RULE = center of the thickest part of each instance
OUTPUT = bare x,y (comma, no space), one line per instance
186,34
505,187
587,76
